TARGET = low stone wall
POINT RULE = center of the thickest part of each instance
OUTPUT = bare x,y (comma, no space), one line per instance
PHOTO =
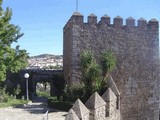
96,108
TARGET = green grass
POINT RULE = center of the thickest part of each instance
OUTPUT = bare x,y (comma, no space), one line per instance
43,94
13,102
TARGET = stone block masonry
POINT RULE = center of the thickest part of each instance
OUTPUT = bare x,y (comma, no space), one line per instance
96,108
137,52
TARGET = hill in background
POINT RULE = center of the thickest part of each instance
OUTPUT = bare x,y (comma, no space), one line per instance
45,61
46,56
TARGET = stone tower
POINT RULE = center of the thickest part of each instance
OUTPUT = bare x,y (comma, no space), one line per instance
137,52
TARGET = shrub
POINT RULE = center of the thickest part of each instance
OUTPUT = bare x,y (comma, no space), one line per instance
60,105
4,97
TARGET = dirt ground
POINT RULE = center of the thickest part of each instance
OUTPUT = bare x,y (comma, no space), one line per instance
31,111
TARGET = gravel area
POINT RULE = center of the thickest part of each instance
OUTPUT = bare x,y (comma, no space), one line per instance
31,111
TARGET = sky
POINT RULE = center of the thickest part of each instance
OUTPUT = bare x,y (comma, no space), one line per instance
42,21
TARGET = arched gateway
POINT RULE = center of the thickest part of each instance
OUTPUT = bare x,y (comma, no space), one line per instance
53,77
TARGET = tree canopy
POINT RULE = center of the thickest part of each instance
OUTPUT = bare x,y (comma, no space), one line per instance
11,59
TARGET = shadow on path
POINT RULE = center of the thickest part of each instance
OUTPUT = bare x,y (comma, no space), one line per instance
37,106
40,100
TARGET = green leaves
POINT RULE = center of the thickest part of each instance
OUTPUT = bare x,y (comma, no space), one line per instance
93,70
86,59
15,62
1,2
94,75
7,15
9,33
108,62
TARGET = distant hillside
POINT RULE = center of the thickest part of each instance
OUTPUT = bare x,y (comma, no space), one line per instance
45,61
46,56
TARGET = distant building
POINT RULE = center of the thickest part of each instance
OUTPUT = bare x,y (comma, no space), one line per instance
44,61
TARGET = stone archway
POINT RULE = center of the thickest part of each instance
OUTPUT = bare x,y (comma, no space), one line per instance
41,78
53,77
43,89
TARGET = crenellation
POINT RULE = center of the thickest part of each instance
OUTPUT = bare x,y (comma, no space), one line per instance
153,24
142,23
105,20
92,19
118,22
71,115
81,110
77,18
96,108
136,46
130,22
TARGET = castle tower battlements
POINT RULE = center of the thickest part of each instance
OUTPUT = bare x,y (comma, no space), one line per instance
135,44
142,24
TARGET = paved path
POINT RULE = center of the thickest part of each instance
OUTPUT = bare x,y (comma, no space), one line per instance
31,111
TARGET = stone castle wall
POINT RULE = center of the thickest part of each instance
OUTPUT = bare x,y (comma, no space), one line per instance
96,108
136,49
54,77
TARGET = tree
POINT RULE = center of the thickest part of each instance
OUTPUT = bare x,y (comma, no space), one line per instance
91,72
94,76
108,63
10,59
